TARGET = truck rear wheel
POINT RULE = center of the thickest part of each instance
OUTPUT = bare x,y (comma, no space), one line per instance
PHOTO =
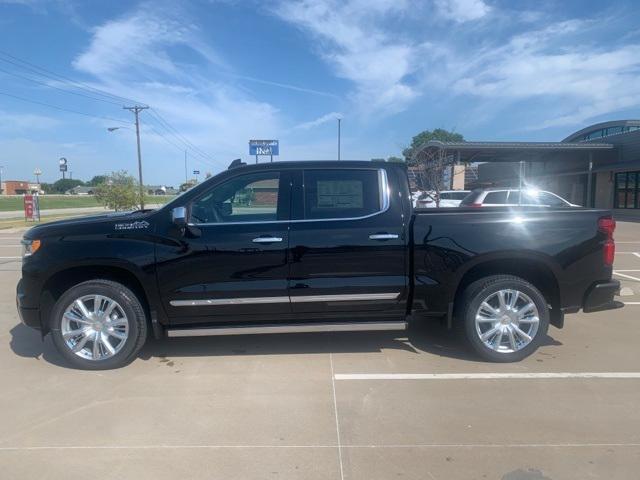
505,317
98,325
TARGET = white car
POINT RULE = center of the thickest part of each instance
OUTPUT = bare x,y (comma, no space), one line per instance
448,198
513,197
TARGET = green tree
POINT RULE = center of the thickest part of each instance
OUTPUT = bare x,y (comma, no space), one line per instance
97,180
47,187
119,192
187,185
428,135
394,159
63,185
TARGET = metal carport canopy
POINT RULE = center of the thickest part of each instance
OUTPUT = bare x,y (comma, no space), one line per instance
524,151
591,153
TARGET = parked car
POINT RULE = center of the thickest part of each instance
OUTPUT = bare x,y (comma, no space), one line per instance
323,246
513,197
448,198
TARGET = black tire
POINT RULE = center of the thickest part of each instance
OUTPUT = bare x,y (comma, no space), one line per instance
480,290
136,320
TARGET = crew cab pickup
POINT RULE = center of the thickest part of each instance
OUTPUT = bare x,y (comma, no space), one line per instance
311,247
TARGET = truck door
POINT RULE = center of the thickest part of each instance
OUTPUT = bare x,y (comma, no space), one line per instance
348,244
236,266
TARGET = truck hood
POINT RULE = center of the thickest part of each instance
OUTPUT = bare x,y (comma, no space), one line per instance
103,223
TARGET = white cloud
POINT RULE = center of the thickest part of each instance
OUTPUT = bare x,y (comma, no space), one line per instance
139,41
25,122
319,121
352,40
577,80
132,57
461,11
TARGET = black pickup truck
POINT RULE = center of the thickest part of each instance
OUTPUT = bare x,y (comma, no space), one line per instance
311,247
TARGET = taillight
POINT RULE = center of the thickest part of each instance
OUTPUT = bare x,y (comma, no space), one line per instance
607,225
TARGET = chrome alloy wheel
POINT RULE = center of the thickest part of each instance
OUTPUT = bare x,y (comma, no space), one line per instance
507,321
94,327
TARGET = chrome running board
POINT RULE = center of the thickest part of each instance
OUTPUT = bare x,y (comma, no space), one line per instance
287,328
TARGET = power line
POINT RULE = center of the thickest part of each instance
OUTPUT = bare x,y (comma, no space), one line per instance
172,130
187,145
57,88
64,109
25,65
176,146
94,94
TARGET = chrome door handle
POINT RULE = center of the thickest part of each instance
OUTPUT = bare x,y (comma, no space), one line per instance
383,236
267,239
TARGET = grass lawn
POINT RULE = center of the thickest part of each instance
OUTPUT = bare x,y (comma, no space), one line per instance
19,222
13,203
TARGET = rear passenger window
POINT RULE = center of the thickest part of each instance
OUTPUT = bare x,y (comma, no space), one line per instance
495,198
341,193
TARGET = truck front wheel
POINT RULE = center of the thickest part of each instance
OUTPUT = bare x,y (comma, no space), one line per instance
505,317
98,325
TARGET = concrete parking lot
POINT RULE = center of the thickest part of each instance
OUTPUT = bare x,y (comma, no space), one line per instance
328,406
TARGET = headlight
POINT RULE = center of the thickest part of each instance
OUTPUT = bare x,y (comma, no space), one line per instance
29,247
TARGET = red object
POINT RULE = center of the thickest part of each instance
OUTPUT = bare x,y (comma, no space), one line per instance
607,225
28,207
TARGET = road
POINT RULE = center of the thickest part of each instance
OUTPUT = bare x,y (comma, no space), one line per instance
54,211
64,211
414,405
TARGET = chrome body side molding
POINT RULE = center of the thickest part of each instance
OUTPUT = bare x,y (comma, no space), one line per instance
288,328
301,299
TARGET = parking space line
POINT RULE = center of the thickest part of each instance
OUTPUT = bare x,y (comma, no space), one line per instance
624,275
631,303
628,253
335,410
636,254
485,376
7,258
355,446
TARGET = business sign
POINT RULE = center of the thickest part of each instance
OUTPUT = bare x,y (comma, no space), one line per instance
264,147
31,208
196,172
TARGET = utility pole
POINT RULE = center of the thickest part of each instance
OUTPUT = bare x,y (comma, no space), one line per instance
186,175
136,109
339,120
37,172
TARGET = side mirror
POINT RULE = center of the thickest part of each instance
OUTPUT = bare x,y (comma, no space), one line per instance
179,217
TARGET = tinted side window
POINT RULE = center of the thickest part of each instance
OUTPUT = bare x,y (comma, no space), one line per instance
495,198
458,195
246,198
545,198
340,193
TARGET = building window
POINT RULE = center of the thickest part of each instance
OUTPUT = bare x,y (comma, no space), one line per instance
626,190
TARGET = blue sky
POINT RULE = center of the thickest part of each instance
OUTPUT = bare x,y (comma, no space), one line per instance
222,72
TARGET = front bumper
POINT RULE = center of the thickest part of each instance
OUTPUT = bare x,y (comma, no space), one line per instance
30,316
600,296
